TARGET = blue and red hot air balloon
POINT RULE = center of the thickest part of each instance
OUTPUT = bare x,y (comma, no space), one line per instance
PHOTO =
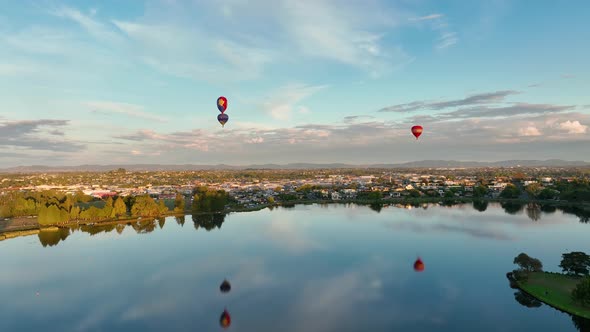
222,118
222,107
222,104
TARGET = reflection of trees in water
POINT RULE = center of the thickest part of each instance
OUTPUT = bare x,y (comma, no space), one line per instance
376,207
579,212
179,220
526,300
480,206
547,208
95,229
511,207
161,222
52,238
444,203
144,226
581,323
120,228
533,211
208,221
288,206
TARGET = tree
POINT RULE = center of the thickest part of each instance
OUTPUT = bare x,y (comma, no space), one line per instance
208,200
271,200
414,193
527,263
119,208
581,323
480,206
526,300
533,189
179,203
75,213
575,263
145,206
79,196
533,211
512,207
161,222
108,210
480,191
581,293
376,207
547,194
162,208
510,191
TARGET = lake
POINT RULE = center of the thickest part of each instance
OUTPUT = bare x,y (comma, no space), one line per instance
305,268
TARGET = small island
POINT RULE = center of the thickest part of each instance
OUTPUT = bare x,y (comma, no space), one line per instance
568,291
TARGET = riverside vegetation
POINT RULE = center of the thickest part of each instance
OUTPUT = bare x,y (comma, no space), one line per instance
55,208
568,291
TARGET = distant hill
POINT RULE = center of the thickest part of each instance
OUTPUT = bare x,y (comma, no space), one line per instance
190,167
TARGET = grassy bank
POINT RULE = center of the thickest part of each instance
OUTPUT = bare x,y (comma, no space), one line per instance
559,288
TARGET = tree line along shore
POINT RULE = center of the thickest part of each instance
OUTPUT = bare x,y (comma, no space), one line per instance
30,211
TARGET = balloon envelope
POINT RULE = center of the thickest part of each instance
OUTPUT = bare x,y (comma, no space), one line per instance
419,265
222,104
222,118
225,286
225,319
417,131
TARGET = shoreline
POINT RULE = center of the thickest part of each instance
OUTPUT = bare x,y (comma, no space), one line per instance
30,224
552,304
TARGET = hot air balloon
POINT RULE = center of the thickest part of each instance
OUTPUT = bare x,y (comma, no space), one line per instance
419,265
225,319
225,286
222,118
417,131
222,104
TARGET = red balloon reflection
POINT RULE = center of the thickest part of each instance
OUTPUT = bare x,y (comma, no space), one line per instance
419,265
225,319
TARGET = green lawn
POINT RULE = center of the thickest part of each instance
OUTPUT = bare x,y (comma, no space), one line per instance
560,289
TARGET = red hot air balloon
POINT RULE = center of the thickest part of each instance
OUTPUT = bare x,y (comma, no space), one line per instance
222,104
225,319
417,131
222,118
419,265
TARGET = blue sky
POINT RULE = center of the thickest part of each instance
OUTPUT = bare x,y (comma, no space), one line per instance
307,81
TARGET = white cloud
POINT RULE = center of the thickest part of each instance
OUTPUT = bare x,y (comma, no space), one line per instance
92,26
427,17
529,131
16,69
303,110
573,127
281,103
122,108
256,140
439,23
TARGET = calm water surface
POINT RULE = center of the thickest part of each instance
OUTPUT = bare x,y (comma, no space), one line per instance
306,268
